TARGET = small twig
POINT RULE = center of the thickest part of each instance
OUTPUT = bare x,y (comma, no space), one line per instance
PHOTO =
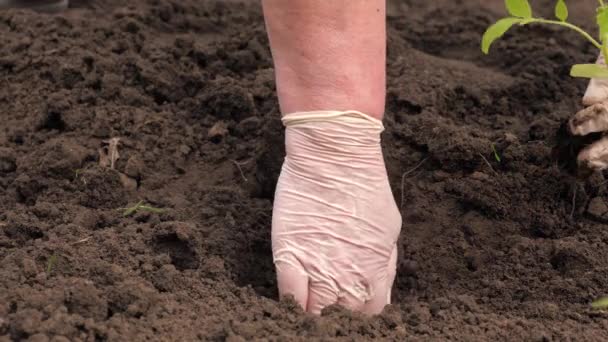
139,206
82,240
573,202
488,163
238,166
404,175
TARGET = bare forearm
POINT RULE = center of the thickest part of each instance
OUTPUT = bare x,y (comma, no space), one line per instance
329,55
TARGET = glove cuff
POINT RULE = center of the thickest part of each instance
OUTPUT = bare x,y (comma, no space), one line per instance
350,116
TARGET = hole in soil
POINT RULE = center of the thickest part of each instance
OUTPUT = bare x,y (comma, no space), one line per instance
110,313
568,261
402,107
52,121
182,255
13,308
568,148
24,232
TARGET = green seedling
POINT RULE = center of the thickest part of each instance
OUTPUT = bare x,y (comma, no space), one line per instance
496,155
51,263
521,14
601,303
137,207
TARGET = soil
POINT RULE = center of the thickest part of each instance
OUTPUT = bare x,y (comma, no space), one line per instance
495,246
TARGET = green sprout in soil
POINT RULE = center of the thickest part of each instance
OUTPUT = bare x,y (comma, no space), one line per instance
521,14
140,206
601,303
496,155
51,263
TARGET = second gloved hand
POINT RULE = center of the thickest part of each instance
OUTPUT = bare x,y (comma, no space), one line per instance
335,222
593,119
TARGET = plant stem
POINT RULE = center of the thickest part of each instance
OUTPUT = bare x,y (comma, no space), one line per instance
605,48
602,3
570,26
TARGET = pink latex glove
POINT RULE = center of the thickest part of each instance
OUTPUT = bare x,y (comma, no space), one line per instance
335,222
593,119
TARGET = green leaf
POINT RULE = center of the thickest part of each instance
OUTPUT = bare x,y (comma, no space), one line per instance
601,303
50,263
519,8
496,31
589,71
561,10
152,209
602,21
496,155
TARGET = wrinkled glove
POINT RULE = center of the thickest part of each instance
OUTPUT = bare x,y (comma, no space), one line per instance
335,222
593,119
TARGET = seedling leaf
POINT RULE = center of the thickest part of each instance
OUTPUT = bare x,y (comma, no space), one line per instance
589,71
151,209
50,264
140,206
496,155
519,8
601,303
561,10
496,31
130,211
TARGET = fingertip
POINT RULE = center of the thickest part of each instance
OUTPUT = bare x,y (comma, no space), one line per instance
320,296
292,282
383,287
392,273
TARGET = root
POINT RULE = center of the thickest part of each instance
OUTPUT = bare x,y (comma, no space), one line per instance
238,166
573,202
489,165
108,155
403,177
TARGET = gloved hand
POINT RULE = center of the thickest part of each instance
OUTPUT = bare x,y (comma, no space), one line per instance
593,119
335,222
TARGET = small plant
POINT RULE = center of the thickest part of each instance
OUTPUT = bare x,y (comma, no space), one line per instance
601,303
496,155
521,14
137,207
51,263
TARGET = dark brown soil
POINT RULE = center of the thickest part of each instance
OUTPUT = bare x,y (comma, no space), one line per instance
509,250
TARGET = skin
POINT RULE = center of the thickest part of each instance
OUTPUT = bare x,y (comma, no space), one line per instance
328,55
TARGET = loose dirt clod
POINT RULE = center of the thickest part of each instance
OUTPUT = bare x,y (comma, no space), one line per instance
217,131
598,209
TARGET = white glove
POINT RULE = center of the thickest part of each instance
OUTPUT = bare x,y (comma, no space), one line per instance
593,119
335,222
